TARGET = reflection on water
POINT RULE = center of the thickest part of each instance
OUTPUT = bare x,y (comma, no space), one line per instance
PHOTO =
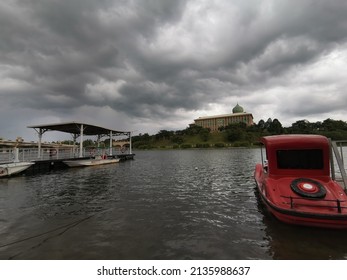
192,204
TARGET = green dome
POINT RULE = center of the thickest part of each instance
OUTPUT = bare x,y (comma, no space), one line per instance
237,109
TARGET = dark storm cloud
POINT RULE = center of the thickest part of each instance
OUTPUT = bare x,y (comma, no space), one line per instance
152,59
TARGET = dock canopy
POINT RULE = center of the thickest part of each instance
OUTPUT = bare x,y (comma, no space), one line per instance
78,129
75,128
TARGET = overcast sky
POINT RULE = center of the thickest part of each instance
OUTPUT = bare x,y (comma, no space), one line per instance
144,66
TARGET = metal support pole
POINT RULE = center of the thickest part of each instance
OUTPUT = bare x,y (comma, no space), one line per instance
16,154
74,145
81,141
340,164
40,132
98,142
130,148
332,165
111,142
261,155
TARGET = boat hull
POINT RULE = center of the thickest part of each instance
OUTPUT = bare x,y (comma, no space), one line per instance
90,162
332,218
14,168
338,221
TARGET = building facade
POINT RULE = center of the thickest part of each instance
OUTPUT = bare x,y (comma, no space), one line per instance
215,122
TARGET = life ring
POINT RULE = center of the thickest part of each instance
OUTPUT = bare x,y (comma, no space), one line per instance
309,188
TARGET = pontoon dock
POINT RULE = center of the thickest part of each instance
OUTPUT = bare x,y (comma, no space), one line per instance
48,157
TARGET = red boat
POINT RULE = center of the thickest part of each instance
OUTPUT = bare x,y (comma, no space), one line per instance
295,184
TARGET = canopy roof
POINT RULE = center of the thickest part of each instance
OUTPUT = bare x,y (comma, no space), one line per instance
75,128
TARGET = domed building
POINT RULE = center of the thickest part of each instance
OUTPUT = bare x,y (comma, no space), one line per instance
214,122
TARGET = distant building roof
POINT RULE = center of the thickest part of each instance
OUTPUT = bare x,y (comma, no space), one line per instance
223,116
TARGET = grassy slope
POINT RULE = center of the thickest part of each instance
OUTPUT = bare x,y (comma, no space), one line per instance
213,139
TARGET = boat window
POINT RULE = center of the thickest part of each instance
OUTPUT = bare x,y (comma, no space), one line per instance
300,159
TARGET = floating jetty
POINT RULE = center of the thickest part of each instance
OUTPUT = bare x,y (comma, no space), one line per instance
48,157
42,166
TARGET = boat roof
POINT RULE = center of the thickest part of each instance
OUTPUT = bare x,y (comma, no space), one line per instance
294,140
75,128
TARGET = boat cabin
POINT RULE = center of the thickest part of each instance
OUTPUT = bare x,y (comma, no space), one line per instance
296,155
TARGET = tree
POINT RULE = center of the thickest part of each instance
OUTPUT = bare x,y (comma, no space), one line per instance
141,138
177,139
88,143
204,134
261,125
236,131
268,123
330,125
301,126
275,127
164,134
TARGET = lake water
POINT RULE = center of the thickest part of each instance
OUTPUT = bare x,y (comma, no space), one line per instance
176,204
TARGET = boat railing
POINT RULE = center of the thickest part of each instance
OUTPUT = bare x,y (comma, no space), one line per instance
58,153
293,200
337,158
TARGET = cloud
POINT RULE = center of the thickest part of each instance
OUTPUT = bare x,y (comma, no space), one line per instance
152,65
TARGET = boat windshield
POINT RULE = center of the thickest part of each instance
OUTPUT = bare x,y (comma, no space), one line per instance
300,159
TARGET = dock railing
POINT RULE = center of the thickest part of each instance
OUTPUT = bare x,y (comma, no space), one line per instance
337,156
31,154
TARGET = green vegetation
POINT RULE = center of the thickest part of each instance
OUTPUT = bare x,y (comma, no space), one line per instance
236,135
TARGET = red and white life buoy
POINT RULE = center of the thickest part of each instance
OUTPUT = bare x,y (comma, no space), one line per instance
309,188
